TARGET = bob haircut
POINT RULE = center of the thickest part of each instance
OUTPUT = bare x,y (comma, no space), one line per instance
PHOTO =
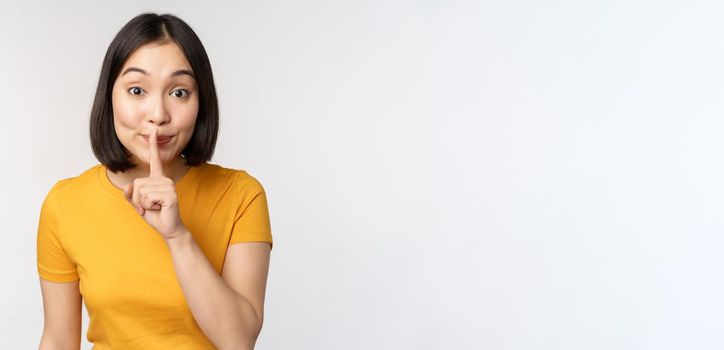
143,29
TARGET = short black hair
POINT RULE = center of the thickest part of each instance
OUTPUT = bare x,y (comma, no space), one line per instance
142,29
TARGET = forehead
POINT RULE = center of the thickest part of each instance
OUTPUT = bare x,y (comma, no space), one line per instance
158,60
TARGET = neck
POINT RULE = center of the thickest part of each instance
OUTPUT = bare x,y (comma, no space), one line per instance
175,170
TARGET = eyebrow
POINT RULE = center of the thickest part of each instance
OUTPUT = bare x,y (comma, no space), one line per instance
174,74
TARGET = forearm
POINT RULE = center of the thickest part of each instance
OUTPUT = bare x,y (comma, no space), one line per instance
225,316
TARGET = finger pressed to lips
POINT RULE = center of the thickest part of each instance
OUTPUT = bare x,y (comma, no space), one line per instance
136,191
155,164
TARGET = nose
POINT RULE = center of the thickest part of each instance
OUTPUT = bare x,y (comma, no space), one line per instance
157,113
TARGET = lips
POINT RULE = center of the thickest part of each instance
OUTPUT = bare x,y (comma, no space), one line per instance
159,139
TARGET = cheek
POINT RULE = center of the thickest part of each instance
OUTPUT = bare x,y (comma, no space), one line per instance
124,113
122,119
185,115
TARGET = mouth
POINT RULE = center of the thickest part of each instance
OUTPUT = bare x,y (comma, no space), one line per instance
161,140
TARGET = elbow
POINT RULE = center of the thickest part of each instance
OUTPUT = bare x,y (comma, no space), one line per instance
242,344
257,330
242,335
249,341
243,340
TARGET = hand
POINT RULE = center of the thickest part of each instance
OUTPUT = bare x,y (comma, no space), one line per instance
154,197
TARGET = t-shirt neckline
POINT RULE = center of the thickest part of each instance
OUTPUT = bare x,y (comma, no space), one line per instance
118,193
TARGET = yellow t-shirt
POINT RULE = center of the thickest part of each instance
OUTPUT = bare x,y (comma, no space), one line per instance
88,231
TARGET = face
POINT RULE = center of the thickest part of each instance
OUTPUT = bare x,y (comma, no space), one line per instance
155,89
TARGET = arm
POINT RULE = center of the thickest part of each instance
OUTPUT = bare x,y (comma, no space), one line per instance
62,315
229,309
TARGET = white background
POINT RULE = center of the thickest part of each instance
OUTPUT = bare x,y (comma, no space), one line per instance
440,174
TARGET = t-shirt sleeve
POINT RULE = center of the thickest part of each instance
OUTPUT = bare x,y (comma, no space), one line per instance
53,262
251,222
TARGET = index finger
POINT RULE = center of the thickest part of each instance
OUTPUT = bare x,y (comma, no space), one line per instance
156,167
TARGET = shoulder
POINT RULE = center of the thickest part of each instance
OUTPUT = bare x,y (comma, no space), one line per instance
74,183
68,188
239,179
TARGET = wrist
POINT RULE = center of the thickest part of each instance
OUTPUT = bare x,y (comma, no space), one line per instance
182,238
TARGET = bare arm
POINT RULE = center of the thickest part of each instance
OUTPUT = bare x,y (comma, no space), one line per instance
229,309
62,315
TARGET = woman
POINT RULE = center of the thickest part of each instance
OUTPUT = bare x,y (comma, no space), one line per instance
166,250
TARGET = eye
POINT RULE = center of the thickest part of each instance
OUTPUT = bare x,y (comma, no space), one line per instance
135,90
181,93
